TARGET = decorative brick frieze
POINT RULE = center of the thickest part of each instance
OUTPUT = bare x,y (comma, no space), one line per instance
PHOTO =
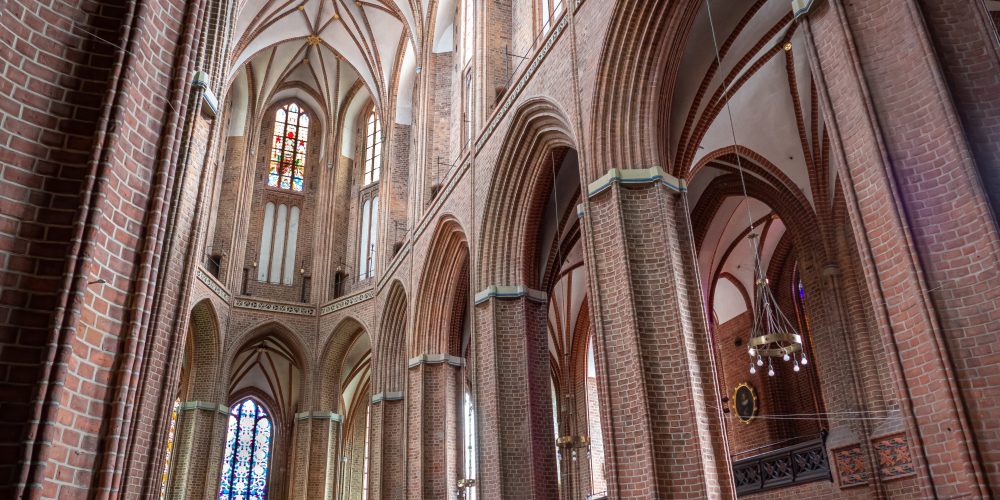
347,302
894,459
278,307
850,464
212,284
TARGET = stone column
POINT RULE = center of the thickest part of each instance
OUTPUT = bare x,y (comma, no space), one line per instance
516,438
928,240
662,430
432,468
199,440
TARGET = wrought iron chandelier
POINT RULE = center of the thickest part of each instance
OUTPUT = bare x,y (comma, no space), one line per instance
772,335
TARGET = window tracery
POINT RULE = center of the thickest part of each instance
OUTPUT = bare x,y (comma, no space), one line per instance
247,454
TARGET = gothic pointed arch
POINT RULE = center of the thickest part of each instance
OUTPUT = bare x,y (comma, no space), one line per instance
534,148
442,289
389,363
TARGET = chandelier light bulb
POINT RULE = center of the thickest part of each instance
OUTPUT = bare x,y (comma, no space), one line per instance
753,369
786,357
770,371
760,362
796,367
804,360
753,352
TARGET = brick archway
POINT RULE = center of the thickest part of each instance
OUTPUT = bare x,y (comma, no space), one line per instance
520,187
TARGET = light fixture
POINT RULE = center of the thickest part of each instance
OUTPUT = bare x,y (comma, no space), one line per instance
772,336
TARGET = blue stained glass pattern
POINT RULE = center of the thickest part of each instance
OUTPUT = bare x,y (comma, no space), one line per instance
248,450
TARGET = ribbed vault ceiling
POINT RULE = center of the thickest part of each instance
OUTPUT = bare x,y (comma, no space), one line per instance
325,45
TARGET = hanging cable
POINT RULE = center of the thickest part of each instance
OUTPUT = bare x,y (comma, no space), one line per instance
772,334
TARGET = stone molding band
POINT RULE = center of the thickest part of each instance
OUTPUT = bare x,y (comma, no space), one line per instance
203,405
319,415
635,176
510,292
202,81
433,359
800,7
387,396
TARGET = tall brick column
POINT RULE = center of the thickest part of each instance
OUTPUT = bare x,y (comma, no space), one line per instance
386,478
316,455
662,432
199,441
516,443
432,468
928,241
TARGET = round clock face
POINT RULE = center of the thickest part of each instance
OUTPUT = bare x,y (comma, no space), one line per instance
744,403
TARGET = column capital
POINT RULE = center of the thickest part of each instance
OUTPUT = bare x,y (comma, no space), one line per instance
319,415
203,405
433,359
387,396
510,292
635,176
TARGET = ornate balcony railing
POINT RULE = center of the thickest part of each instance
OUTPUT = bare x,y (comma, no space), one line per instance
792,465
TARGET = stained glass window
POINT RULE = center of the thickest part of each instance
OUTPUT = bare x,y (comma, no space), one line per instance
288,148
248,453
373,149
170,449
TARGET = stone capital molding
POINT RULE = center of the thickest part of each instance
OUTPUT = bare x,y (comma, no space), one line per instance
202,82
212,284
434,359
319,415
635,176
347,301
203,405
801,7
387,396
510,292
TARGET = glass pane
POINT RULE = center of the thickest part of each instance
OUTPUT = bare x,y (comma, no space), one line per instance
247,454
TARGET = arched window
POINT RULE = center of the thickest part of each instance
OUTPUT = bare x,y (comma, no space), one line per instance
288,150
369,233
468,38
278,241
468,30
170,448
368,437
373,149
248,453
469,440
550,12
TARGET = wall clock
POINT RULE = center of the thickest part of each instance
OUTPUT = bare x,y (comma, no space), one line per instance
744,402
